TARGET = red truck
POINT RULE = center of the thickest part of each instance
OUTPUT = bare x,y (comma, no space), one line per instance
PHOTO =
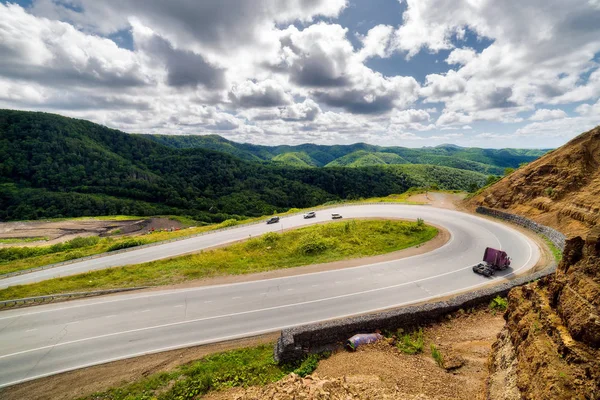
493,260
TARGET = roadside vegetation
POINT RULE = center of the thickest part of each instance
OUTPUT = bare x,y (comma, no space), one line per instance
243,367
18,258
556,252
410,343
311,245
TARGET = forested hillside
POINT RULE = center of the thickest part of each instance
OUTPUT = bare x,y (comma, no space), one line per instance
487,161
54,166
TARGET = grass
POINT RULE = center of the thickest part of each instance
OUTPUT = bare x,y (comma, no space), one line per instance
46,255
23,240
19,258
410,343
499,304
242,367
310,245
556,252
437,356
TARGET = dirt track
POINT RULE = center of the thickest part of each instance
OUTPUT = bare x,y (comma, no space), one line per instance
61,231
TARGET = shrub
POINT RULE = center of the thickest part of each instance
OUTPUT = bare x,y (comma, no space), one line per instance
412,343
499,303
437,356
126,244
270,238
228,222
312,244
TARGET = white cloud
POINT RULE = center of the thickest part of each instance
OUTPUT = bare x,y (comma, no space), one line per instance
376,42
589,109
461,56
545,114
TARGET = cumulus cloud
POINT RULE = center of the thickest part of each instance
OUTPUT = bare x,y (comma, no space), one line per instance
377,42
526,64
55,53
544,114
183,67
267,93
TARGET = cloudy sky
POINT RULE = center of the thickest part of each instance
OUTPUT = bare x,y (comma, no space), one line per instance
485,73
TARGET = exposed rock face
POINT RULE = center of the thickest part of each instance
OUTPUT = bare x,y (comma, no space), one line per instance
561,189
554,330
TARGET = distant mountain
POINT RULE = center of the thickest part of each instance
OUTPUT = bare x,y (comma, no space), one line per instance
364,158
53,166
561,189
295,159
486,161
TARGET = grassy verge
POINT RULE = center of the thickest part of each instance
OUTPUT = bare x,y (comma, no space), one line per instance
16,259
556,252
23,240
243,367
310,245
19,258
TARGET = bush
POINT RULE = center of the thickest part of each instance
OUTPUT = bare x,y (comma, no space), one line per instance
412,343
499,303
270,238
126,244
312,244
228,223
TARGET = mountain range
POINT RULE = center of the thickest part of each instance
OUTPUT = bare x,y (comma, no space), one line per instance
54,166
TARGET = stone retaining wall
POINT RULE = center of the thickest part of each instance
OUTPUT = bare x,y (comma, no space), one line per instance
295,343
555,236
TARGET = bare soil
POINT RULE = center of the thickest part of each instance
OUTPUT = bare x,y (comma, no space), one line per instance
61,231
83,382
381,371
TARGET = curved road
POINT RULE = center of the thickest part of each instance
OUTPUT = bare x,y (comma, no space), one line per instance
46,340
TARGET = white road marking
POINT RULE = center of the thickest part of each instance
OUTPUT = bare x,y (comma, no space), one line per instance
146,310
31,330
178,305
485,283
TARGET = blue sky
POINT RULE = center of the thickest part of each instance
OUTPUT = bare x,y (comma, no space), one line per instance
410,73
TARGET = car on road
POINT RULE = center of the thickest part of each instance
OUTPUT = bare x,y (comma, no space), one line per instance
310,214
483,269
272,220
336,216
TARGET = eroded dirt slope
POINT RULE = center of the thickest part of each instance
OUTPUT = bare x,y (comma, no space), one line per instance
561,189
550,347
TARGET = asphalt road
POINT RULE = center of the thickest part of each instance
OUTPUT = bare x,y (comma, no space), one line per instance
45,340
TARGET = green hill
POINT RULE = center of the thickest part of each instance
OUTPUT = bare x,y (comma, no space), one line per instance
53,166
296,159
486,161
364,158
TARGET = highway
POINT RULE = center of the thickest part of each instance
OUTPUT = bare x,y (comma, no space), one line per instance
45,340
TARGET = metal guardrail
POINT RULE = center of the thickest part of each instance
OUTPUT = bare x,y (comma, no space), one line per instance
15,303
110,253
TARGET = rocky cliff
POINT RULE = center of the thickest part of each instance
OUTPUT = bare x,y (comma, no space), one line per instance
560,189
550,346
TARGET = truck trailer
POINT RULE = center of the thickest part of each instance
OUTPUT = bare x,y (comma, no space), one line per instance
493,260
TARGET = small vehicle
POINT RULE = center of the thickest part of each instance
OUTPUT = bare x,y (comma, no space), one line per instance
483,269
336,216
272,220
310,214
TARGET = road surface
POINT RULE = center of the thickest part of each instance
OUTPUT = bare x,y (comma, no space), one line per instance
45,340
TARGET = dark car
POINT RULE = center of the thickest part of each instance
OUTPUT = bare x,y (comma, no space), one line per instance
483,269
273,220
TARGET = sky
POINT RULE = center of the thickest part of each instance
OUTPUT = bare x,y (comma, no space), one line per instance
477,73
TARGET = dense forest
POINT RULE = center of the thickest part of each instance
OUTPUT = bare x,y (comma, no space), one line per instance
487,161
53,166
